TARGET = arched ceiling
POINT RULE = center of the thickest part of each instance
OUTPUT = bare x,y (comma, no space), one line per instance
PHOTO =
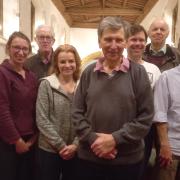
88,13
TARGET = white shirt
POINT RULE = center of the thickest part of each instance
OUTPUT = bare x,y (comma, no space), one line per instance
152,71
167,105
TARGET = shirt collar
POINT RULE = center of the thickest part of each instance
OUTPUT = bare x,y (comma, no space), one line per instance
47,59
163,49
124,66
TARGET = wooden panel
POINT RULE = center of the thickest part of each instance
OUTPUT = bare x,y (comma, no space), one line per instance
88,13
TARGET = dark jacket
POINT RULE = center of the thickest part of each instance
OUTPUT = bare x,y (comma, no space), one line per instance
36,65
167,61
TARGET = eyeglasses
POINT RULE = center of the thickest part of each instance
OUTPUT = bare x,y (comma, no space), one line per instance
18,49
43,38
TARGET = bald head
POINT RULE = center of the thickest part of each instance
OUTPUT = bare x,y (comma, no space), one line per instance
158,32
159,22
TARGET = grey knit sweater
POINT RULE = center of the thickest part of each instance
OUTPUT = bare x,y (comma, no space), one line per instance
121,105
53,116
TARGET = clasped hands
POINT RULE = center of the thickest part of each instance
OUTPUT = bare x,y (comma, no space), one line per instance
68,151
104,146
22,146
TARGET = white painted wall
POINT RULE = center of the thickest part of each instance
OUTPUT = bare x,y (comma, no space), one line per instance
10,23
85,40
10,17
47,13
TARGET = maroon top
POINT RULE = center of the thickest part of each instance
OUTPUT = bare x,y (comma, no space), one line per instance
17,103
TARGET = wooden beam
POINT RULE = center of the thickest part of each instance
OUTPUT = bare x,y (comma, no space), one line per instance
84,25
105,11
82,2
124,3
103,3
147,8
59,5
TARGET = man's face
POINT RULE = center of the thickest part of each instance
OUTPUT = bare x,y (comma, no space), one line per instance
158,32
112,44
44,39
136,45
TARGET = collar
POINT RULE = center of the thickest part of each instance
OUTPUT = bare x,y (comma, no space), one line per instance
163,49
124,66
6,64
47,59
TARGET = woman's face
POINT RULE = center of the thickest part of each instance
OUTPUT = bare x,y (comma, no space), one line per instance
18,50
66,63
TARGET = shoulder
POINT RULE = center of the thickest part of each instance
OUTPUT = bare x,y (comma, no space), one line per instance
150,66
32,60
5,68
138,74
31,74
172,51
147,48
172,71
53,81
89,69
44,83
136,67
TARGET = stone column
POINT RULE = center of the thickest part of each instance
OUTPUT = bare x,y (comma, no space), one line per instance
25,17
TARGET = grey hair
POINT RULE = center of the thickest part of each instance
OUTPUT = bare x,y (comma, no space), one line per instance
113,23
45,26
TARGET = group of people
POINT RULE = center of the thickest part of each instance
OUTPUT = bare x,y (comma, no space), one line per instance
57,122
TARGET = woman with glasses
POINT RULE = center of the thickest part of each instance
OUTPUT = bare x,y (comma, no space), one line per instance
18,92
57,143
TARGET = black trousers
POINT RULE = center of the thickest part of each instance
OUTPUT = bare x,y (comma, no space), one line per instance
52,167
86,170
15,166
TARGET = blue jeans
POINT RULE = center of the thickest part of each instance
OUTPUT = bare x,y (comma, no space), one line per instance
86,170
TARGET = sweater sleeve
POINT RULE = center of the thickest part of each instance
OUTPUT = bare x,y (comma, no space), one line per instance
45,126
136,129
8,131
82,126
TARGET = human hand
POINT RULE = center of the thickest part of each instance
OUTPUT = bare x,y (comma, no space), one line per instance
68,152
104,146
111,155
32,140
165,156
21,146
